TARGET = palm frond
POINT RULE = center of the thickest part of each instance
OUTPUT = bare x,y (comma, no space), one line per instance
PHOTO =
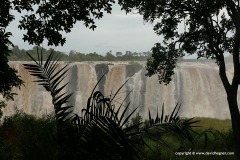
172,124
50,78
101,132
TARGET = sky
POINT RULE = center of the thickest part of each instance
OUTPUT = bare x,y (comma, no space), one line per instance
117,32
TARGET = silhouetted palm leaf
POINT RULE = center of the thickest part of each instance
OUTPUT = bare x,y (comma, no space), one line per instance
169,124
48,76
101,132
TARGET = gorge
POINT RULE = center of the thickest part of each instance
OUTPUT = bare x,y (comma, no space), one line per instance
195,85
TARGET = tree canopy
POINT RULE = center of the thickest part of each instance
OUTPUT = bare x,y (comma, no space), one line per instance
205,28
208,28
45,20
8,75
48,19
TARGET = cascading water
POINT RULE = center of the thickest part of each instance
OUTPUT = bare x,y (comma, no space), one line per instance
196,86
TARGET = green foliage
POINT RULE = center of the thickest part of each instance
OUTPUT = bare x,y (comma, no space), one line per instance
48,19
24,136
207,29
216,142
162,62
210,136
76,135
8,75
44,20
216,124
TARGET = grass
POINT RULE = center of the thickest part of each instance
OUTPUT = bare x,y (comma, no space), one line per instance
26,129
219,139
216,124
24,136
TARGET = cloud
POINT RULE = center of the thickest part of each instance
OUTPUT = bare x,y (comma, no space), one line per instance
116,32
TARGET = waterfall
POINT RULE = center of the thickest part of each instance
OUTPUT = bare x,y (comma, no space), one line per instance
196,86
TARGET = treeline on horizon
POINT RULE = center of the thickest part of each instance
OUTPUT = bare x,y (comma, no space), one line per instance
18,54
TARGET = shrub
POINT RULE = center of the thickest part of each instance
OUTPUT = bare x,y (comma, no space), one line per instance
24,136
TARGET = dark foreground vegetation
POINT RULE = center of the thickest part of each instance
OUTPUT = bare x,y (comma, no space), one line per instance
24,137
103,131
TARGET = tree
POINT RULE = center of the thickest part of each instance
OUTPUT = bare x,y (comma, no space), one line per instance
109,56
119,54
135,54
210,28
44,20
8,76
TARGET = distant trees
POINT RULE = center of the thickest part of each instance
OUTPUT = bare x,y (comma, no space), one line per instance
119,54
109,56
18,54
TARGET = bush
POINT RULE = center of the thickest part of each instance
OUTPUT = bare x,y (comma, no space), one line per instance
26,137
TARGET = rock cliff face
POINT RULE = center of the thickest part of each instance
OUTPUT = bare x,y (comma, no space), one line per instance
196,86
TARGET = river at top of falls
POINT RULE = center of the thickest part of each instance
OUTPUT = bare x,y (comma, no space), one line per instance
196,86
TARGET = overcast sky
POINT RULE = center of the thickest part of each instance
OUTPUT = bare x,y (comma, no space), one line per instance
116,32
